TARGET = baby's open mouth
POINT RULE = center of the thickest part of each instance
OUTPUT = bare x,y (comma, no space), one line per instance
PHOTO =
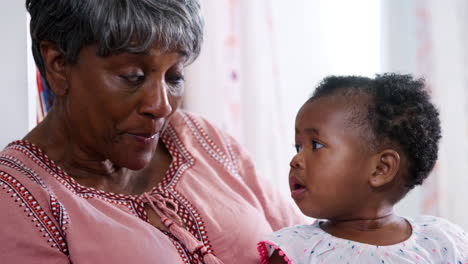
297,188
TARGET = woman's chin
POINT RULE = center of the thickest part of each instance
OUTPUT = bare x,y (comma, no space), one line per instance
137,164
132,157
133,161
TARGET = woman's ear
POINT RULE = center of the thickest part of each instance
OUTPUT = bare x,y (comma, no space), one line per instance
55,67
386,166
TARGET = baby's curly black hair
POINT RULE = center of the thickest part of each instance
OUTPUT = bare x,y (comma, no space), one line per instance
399,110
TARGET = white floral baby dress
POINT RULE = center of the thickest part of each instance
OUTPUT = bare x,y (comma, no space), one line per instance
433,241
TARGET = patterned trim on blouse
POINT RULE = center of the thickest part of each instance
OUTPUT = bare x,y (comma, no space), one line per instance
25,199
59,213
43,161
14,163
182,161
226,160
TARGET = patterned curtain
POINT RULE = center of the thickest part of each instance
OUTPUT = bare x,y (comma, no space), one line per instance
235,82
442,57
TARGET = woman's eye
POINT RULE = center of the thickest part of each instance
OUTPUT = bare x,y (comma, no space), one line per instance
298,148
176,84
134,79
316,145
176,80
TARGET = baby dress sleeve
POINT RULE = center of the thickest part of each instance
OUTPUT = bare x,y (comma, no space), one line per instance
459,239
443,239
290,242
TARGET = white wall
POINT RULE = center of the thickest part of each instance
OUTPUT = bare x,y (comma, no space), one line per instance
450,80
14,117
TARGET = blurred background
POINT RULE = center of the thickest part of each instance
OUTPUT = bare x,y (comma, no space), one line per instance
262,59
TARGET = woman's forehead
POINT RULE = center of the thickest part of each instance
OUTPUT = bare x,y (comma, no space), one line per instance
153,54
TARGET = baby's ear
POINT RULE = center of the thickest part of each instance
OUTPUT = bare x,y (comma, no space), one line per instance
55,67
386,166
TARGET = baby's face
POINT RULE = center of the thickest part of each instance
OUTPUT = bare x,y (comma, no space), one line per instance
329,176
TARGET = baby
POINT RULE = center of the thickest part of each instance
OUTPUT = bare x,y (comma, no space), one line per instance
362,144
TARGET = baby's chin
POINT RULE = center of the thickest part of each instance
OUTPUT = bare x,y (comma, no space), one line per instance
312,211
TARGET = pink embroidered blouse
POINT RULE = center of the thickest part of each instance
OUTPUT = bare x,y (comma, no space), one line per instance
47,217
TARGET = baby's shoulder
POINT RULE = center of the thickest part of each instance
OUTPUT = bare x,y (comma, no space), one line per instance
426,227
427,224
442,236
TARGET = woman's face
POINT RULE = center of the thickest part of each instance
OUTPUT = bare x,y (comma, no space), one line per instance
116,107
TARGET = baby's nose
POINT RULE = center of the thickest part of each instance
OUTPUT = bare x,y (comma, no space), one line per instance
297,162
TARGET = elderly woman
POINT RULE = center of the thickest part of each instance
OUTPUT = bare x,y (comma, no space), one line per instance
115,173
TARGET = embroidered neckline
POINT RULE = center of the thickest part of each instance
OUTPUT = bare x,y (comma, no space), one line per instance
180,158
181,161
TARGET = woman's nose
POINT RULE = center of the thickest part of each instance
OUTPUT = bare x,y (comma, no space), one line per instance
297,162
156,101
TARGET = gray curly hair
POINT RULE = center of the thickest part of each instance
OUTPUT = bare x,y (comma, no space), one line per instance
115,26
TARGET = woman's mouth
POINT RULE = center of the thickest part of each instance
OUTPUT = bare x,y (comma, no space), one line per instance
145,138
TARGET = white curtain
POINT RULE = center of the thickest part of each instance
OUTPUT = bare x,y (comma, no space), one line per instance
429,38
443,58
235,82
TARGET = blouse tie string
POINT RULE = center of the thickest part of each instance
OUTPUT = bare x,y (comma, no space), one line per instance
172,221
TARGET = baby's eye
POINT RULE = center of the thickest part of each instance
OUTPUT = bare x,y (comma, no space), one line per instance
298,148
316,145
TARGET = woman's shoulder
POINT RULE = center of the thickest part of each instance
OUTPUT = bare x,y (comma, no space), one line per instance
29,208
194,131
19,162
183,118
25,178
21,173
194,127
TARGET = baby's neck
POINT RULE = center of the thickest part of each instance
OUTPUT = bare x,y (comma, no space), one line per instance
381,231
